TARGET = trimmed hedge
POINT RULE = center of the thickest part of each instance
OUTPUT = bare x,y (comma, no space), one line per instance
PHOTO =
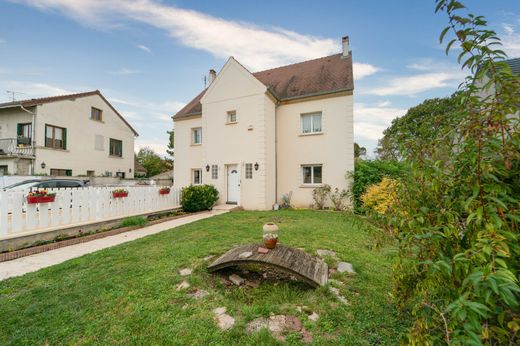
198,197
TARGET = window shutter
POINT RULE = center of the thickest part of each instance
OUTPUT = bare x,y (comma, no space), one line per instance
19,130
64,138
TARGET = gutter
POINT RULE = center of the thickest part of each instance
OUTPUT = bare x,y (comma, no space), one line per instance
33,133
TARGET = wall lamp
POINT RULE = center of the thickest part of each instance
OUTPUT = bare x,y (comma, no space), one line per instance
207,168
43,165
256,166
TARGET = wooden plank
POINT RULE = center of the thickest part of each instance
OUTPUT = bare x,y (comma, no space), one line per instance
293,261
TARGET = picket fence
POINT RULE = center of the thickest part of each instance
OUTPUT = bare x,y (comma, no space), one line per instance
78,206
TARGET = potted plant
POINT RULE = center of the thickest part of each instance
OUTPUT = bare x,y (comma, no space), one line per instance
40,196
270,235
164,191
119,193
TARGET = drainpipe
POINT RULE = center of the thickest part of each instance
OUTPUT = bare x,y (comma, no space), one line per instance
33,134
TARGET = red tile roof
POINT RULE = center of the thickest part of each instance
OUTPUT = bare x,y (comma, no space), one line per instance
314,77
42,100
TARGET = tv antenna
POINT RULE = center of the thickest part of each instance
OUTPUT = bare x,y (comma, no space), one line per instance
13,94
205,79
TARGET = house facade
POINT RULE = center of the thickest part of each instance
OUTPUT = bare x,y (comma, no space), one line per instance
70,135
259,136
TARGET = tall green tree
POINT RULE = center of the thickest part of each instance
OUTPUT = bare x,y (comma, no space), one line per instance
359,150
153,163
171,148
457,213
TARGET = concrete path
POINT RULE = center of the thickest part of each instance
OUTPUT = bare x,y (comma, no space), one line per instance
35,262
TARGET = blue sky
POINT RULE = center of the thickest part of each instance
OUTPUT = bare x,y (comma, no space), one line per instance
149,57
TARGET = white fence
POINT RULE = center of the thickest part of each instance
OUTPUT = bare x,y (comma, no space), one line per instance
78,206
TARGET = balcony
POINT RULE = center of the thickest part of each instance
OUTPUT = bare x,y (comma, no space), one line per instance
17,147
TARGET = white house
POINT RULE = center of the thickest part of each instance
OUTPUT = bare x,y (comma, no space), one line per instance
78,134
258,136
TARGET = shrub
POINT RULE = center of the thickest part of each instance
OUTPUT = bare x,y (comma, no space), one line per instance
381,197
338,198
134,221
320,195
286,201
367,173
198,197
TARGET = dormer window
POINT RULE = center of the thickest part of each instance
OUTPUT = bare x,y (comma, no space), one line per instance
96,114
231,117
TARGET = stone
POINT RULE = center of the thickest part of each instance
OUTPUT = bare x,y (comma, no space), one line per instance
256,325
220,311
276,323
245,254
207,258
183,285
335,291
324,253
314,317
237,280
346,267
252,284
262,250
185,272
293,324
198,294
225,321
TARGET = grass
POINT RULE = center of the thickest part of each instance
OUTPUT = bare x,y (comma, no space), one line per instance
126,294
133,221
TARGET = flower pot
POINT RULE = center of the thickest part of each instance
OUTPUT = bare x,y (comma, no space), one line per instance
270,243
40,199
270,228
119,194
164,192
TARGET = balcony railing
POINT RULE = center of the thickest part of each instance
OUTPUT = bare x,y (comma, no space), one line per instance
16,147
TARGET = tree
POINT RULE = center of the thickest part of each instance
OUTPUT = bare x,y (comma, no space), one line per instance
420,126
171,150
153,163
359,151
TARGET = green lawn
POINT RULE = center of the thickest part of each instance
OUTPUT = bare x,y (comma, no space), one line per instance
126,294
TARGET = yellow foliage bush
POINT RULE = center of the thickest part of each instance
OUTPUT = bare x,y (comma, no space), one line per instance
381,197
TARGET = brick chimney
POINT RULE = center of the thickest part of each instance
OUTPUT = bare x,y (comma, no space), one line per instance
345,46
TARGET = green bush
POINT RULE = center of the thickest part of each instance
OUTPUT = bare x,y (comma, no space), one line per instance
198,197
368,173
134,221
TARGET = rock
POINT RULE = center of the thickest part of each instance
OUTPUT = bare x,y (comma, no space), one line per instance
335,291
207,258
219,311
225,321
198,294
346,267
276,323
314,317
245,254
225,281
332,271
252,284
237,280
262,250
185,272
299,309
256,325
183,285
323,253
293,324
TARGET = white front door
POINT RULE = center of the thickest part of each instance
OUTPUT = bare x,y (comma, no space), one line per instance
233,184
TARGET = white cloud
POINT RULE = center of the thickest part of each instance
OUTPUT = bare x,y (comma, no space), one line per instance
256,47
511,39
144,48
362,70
413,85
371,120
124,72
28,89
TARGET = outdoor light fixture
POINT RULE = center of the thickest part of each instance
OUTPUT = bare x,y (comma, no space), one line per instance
207,168
43,165
256,166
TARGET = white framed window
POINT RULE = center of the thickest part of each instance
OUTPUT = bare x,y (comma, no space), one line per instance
312,174
249,171
232,117
196,135
196,176
214,171
311,123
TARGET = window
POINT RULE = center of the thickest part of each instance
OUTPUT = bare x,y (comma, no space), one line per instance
196,135
249,171
24,132
3,170
96,114
61,172
214,172
197,176
311,123
55,137
312,174
91,173
231,117
116,147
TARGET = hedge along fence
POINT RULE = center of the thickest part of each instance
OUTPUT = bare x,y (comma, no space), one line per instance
78,206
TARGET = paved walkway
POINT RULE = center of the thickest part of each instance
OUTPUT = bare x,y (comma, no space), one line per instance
35,262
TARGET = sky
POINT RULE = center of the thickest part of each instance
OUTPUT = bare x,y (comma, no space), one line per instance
149,57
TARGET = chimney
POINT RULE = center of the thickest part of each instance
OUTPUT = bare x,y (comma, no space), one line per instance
212,76
345,44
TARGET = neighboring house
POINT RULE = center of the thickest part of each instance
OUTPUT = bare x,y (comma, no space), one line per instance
164,178
258,136
139,170
79,134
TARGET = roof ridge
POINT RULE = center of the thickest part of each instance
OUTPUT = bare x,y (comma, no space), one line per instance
58,96
297,63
